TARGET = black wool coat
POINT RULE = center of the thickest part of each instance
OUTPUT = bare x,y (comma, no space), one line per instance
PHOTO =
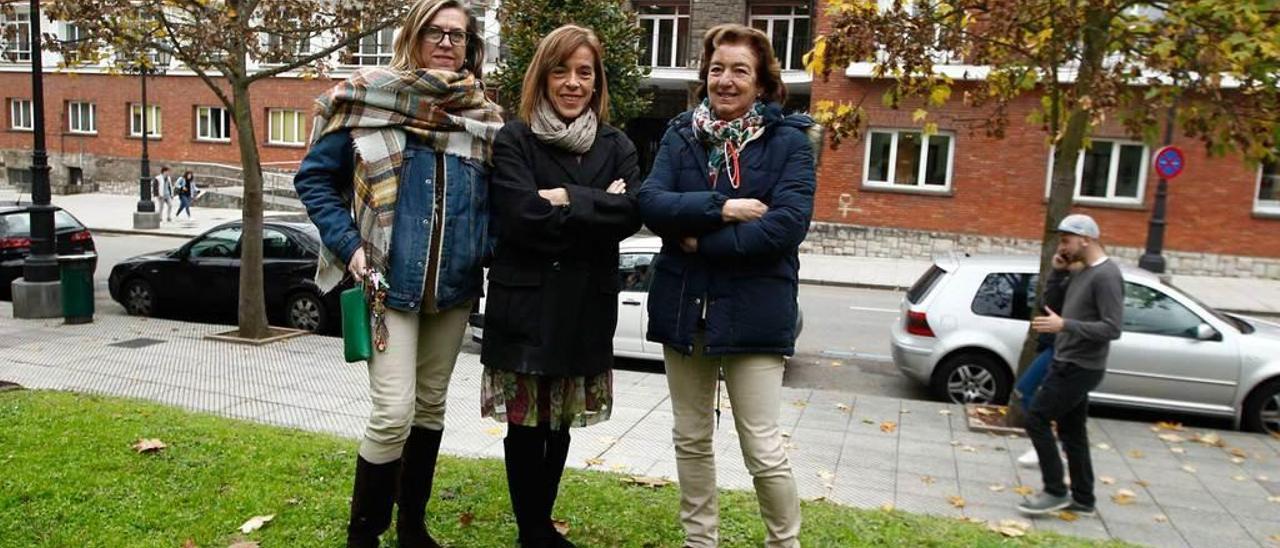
553,283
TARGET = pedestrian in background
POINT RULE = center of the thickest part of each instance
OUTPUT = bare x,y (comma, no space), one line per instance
731,195
186,188
419,189
162,190
1092,315
564,185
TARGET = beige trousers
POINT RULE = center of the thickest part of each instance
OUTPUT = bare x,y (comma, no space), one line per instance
409,382
754,384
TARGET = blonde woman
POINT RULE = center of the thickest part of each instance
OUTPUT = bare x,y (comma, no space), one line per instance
412,142
563,194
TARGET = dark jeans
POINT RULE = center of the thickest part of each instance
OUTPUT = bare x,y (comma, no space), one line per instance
1064,397
1031,379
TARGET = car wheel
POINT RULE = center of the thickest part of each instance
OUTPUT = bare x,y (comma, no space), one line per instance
1262,409
139,298
305,311
973,377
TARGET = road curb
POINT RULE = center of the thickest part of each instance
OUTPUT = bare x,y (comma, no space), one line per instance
853,285
141,232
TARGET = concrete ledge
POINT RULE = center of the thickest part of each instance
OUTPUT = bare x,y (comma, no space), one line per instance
36,300
146,220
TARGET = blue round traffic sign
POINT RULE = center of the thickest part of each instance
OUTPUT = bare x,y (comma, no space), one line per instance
1169,162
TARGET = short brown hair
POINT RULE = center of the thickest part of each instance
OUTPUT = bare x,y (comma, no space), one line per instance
553,50
405,52
768,71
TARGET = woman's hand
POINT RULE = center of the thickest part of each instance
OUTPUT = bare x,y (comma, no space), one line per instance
356,266
618,186
689,244
741,210
557,196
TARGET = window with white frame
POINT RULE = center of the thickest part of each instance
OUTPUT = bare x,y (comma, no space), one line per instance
82,117
153,121
908,159
1268,189
20,115
947,27
72,32
290,47
787,26
374,49
486,17
1109,171
213,124
665,40
15,36
286,127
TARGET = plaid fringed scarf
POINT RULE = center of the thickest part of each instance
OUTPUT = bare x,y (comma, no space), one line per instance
448,110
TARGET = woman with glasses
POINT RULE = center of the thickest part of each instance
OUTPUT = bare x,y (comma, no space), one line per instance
405,149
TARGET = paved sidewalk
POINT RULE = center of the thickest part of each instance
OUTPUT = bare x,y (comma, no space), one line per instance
114,213
862,451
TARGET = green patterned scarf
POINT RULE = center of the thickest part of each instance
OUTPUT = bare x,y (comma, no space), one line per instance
725,139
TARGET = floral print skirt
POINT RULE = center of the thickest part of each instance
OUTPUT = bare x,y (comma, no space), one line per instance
563,402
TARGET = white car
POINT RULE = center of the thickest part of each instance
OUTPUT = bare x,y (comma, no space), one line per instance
963,323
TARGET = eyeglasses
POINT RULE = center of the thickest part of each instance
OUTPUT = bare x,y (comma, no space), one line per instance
436,36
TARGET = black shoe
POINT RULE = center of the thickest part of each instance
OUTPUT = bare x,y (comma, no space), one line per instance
417,469
371,500
1084,510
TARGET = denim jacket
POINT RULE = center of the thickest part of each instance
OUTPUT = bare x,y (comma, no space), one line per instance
324,184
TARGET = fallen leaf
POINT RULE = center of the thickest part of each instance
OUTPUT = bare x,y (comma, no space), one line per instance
927,480
1188,469
1211,439
1274,539
969,449
887,507
837,363
944,411
255,523
1239,477
799,404
607,440
1011,527
189,543
148,445
1237,460
561,526
888,427
1238,453
595,462
1274,499
1107,480
1124,497
245,544
647,481
904,412
1166,425
955,443
843,407
986,411
1068,516
1103,446
495,431
1177,450
956,501
1024,490
1142,483
465,519
996,488
1171,438
826,475
1161,518
1136,454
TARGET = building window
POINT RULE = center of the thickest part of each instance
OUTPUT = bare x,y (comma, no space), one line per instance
908,159
153,121
666,35
375,49
20,117
286,127
1268,189
787,26
213,124
82,117
493,51
15,36
1108,172
288,48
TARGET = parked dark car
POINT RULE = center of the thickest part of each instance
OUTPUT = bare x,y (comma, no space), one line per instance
203,277
15,241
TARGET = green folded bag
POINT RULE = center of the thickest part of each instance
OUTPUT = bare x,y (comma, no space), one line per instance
357,333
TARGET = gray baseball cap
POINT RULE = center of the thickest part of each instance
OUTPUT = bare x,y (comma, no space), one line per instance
1080,225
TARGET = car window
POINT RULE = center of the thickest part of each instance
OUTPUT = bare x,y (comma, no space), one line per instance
278,245
222,243
634,270
1005,295
63,220
18,223
1147,310
921,288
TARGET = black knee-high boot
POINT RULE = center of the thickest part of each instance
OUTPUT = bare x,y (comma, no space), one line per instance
553,467
525,450
418,468
371,501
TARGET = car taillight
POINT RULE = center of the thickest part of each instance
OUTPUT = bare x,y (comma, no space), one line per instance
918,324
82,236
15,243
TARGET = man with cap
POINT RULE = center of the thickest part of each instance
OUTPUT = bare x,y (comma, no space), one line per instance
1090,319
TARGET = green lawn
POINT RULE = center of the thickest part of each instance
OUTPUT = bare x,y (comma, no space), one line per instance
68,477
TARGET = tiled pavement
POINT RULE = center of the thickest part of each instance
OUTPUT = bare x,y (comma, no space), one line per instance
841,445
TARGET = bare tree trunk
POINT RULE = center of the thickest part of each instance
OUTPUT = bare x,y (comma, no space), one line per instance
253,308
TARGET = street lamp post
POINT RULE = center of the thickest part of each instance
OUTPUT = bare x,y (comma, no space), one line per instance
147,217
1152,260
38,293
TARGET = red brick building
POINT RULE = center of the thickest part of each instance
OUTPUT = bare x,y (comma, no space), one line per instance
907,194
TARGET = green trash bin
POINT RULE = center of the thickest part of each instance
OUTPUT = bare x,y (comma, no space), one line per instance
77,287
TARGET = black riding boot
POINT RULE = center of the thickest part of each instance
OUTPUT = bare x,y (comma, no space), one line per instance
418,468
525,450
553,466
371,500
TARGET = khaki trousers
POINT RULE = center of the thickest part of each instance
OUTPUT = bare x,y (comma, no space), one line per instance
409,382
754,383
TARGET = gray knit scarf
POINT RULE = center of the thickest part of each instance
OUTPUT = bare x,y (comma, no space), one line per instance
575,137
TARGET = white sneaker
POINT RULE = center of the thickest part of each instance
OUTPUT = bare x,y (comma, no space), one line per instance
1029,459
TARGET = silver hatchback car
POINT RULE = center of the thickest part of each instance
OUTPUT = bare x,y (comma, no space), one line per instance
963,323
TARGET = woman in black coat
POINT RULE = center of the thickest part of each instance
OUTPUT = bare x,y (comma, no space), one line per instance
562,198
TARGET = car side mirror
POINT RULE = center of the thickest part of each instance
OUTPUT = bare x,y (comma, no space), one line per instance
1206,332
